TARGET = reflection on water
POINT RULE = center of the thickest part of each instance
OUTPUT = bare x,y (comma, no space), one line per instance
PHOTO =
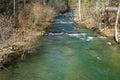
67,53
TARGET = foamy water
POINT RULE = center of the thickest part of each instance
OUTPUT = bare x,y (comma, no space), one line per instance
56,34
102,37
81,36
63,21
89,38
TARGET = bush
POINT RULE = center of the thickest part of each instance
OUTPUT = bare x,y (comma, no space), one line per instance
32,18
6,27
33,15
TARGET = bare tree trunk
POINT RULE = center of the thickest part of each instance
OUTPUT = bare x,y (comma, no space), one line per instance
44,2
116,24
108,2
24,2
14,13
79,9
14,7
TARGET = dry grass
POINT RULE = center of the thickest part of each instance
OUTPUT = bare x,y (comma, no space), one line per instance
6,30
108,32
6,25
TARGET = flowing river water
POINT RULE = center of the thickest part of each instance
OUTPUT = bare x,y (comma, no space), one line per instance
69,53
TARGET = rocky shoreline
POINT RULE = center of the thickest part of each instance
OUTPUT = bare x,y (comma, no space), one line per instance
102,32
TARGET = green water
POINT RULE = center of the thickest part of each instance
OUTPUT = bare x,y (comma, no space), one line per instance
69,53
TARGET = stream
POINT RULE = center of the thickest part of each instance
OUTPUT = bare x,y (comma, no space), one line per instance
69,52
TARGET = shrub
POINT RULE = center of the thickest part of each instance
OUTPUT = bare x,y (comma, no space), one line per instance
6,27
33,15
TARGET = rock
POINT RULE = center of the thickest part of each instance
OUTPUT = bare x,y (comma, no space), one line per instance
95,28
109,43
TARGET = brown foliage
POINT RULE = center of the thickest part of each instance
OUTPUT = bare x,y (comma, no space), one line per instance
6,27
33,18
34,15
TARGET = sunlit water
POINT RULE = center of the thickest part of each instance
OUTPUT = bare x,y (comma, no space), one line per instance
69,53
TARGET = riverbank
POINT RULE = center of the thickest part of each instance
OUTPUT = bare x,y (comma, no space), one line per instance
94,15
107,32
16,42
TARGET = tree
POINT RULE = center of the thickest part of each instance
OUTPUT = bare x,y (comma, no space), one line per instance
116,24
14,8
79,9
24,2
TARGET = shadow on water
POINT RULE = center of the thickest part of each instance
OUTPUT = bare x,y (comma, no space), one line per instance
69,53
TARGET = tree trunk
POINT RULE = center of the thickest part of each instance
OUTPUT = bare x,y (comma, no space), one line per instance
44,2
14,7
79,9
24,2
116,25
